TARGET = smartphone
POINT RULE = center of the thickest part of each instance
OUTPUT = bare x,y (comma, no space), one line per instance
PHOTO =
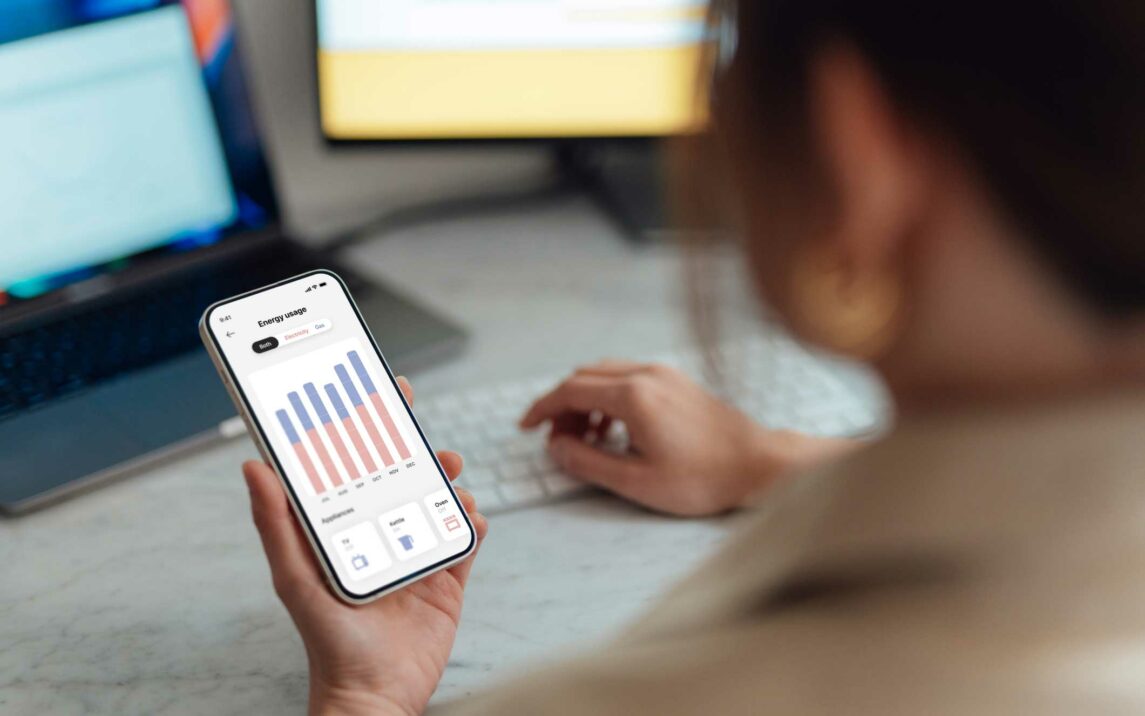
327,414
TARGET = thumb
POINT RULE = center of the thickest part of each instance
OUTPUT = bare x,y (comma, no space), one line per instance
622,475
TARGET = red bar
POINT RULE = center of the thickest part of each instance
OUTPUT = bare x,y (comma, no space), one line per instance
368,421
308,466
324,457
391,428
356,438
343,453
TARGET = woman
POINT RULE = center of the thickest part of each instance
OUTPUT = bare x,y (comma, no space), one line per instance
952,193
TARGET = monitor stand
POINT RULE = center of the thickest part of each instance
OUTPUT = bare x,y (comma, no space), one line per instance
626,179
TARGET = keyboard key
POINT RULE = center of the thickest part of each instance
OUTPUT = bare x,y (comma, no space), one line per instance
449,406
428,415
559,484
515,471
478,476
515,395
521,445
485,455
488,499
539,387
492,433
543,464
522,492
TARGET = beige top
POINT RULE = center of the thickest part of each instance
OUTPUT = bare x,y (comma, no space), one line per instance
972,563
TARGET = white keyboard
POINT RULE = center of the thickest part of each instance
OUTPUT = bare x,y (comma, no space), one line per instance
773,379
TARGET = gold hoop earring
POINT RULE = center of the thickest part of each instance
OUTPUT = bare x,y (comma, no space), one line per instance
843,311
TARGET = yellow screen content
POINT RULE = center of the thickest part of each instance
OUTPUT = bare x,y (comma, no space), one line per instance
455,69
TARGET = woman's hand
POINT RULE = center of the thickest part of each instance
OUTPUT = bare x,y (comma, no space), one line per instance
689,453
381,658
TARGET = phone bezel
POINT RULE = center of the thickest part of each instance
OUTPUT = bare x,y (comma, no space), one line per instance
255,428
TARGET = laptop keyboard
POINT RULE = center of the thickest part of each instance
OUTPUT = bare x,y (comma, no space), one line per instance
67,355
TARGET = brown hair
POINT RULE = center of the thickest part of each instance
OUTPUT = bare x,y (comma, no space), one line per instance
1046,98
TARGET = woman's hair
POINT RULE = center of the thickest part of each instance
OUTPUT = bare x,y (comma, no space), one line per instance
1046,98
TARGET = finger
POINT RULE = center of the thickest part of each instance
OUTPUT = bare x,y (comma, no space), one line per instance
481,529
451,462
613,367
616,473
592,427
480,524
407,388
291,562
461,570
603,427
467,500
575,424
583,394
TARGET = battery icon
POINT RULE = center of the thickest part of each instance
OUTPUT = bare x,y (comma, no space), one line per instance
321,284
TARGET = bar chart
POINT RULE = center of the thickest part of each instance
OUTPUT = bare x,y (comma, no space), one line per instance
337,418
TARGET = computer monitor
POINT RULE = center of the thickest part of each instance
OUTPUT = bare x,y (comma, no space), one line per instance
126,135
508,69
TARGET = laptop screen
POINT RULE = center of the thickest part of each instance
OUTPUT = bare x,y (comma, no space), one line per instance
126,133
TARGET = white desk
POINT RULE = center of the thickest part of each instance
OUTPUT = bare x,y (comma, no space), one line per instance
152,596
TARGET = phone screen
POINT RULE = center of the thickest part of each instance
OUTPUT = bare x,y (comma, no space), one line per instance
378,507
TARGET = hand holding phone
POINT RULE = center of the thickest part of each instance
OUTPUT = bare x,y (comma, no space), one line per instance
327,414
376,658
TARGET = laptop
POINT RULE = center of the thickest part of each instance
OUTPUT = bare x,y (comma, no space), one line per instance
134,193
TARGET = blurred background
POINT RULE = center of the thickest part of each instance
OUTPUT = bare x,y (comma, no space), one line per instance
486,175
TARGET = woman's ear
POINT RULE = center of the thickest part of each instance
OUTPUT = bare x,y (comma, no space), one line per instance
847,285
871,157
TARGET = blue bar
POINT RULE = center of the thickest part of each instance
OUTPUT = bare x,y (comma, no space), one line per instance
288,427
319,406
348,385
336,401
300,411
361,371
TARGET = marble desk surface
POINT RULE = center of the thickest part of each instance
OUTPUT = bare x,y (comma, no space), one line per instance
151,595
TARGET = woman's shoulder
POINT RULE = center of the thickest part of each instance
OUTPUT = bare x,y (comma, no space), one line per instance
968,563
1010,491
869,656
974,480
